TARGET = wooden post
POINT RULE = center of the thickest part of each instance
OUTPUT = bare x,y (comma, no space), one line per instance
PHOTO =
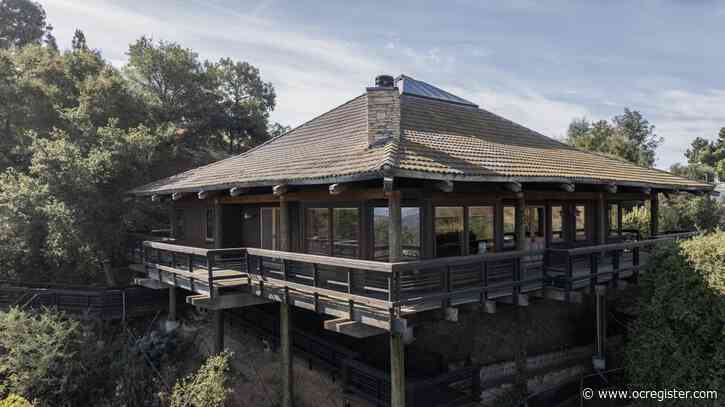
654,211
218,331
599,359
397,370
602,213
394,231
172,304
286,354
284,238
520,377
520,222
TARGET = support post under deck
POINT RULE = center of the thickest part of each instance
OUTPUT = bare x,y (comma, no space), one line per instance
286,354
397,370
218,331
172,304
600,344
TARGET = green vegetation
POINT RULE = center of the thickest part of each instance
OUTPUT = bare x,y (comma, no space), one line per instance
208,387
628,136
678,339
705,159
76,133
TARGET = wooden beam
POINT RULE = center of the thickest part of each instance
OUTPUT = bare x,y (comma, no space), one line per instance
236,191
397,370
176,196
388,184
513,187
445,186
280,189
225,301
567,187
646,190
356,329
285,333
395,227
284,234
156,198
202,194
611,188
337,189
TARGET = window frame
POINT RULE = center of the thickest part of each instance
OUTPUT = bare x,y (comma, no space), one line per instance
330,206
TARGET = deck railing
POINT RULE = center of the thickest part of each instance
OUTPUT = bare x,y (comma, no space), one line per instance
193,268
401,287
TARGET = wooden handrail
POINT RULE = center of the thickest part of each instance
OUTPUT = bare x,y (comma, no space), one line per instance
357,264
454,261
189,249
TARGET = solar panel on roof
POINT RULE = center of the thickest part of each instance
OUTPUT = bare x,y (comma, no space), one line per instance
410,86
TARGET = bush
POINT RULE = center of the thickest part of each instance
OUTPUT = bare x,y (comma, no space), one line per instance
14,400
678,339
208,387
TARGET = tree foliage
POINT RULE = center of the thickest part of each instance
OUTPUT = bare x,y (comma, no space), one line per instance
705,159
628,136
678,339
22,22
208,387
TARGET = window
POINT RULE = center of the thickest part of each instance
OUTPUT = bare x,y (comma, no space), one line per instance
317,231
269,228
534,220
557,223
346,227
581,222
179,231
210,224
509,227
481,229
613,219
333,231
410,233
449,231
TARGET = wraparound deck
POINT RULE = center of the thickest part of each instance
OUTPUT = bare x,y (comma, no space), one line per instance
383,295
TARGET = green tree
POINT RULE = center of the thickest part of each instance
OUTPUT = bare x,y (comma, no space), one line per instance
245,102
22,22
208,387
629,136
678,339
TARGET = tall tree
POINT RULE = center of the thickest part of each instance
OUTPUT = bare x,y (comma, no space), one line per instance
628,136
245,102
22,22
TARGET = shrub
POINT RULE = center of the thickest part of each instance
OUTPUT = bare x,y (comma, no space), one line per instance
14,400
678,339
208,387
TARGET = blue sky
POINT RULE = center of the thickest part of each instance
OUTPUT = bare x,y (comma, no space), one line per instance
540,63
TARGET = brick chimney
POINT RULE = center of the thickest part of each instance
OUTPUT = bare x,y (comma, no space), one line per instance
383,102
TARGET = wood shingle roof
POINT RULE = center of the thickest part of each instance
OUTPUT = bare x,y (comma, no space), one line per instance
438,139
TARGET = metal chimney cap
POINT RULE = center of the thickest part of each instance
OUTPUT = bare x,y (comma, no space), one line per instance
384,81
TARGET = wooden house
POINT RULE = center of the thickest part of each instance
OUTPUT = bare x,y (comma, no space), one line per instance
402,201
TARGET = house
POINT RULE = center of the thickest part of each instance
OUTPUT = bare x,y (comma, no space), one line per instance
404,202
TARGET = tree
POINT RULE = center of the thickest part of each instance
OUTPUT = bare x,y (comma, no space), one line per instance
629,136
677,339
245,102
22,22
79,41
208,387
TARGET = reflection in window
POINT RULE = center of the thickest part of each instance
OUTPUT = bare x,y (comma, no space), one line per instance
509,227
269,228
613,219
317,231
410,233
346,224
557,223
534,220
481,226
449,231
581,222
210,224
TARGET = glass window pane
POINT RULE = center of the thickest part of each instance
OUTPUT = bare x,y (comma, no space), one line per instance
449,231
346,230
557,223
581,222
533,217
410,233
480,225
509,227
410,230
210,224
613,219
317,231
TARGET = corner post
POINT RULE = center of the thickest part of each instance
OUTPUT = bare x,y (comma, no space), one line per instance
520,222
654,211
218,224
397,343
599,359
602,215
286,353
284,238
395,251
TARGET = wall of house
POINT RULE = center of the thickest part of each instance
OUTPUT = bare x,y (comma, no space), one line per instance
194,214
